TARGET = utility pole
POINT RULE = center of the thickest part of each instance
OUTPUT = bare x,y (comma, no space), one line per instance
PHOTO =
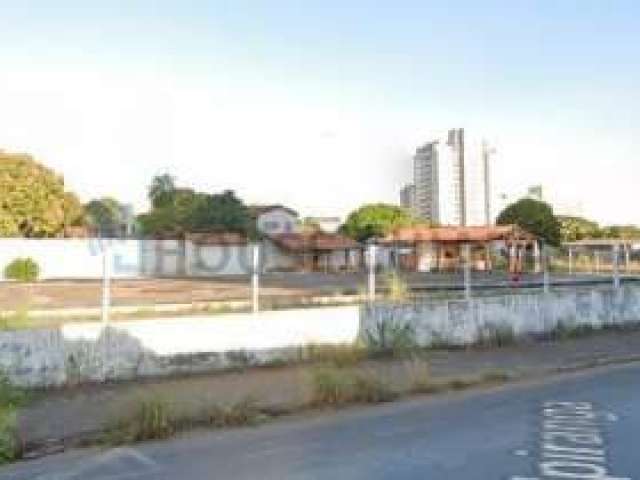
255,285
486,167
106,281
616,266
467,271
546,281
372,272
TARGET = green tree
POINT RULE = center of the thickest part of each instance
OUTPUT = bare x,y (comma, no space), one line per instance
74,213
182,210
223,211
33,201
535,217
376,220
105,214
577,228
162,190
622,232
8,226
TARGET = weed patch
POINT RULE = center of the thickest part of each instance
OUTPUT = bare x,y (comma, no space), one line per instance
155,419
151,419
11,398
335,387
386,338
241,414
343,355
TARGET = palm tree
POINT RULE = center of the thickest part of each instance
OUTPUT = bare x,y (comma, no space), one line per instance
161,189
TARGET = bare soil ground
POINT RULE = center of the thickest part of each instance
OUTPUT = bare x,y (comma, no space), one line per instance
77,293
145,292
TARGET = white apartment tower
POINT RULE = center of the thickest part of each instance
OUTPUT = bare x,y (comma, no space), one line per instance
452,181
408,198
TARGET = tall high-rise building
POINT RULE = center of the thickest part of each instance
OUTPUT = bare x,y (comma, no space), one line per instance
452,181
408,198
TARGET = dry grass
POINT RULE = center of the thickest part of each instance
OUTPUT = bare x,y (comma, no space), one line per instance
156,419
336,387
343,355
241,414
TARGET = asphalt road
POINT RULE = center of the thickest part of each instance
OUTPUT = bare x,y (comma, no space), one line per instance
582,426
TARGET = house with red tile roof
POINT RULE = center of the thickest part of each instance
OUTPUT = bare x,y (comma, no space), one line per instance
423,248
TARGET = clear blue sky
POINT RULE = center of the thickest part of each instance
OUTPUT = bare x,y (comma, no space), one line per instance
340,92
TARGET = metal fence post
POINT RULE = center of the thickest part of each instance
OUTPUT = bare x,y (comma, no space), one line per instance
537,260
570,261
545,265
467,271
372,272
106,282
255,281
616,266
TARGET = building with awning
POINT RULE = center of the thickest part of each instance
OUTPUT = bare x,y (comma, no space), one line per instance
425,249
312,251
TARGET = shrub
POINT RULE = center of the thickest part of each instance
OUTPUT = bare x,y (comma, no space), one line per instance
10,399
9,442
22,270
10,395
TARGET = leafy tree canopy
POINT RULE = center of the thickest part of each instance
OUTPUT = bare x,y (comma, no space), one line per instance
535,217
33,201
577,228
179,210
162,190
376,220
623,232
105,214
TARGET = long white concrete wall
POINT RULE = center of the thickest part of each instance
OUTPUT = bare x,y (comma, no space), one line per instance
89,352
464,322
82,258
128,350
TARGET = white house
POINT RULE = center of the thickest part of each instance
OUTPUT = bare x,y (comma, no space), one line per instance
274,219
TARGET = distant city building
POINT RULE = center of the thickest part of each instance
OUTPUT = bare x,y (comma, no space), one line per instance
535,192
408,198
452,181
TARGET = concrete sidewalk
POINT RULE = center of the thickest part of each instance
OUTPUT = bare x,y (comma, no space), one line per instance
74,413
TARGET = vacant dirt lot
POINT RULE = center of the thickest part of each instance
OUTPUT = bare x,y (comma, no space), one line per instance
87,293
127,292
